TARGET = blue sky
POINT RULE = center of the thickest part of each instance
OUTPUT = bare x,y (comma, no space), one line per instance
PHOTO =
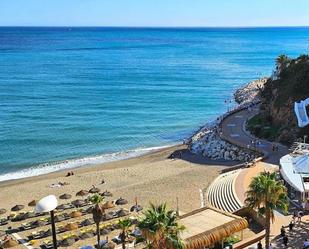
154,12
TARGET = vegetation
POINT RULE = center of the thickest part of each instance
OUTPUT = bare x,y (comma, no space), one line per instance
160,228
277,120
266,194
97,213
231,240
261,127
125,226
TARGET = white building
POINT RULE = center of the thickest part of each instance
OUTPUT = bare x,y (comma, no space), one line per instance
294,169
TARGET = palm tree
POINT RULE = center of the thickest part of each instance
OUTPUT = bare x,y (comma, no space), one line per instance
282,61
124,225
97,213
267,194
160,228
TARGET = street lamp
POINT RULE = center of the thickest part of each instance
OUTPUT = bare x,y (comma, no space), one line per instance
48,204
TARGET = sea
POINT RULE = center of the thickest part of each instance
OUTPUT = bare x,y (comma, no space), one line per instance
71,97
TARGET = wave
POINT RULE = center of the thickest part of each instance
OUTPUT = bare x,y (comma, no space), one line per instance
46,168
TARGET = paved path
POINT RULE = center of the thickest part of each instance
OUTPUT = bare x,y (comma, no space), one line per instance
233,130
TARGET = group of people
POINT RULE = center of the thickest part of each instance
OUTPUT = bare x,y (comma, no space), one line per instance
71,173
297,216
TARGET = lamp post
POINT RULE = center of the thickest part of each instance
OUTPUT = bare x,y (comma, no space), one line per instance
48,204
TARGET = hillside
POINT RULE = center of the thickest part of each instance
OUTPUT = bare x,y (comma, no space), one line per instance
289,83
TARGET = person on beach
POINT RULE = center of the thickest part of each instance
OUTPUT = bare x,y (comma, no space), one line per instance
282,231
291,225
271,247
299,215
259,245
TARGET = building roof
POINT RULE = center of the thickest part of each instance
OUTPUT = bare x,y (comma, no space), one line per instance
208,225
293,169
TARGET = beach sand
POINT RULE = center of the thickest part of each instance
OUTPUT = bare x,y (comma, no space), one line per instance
150,178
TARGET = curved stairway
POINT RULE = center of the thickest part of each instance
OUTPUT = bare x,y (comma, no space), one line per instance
221,193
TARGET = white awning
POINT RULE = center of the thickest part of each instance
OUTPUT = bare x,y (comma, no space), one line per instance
289,174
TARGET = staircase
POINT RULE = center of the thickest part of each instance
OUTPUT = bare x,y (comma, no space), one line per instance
221,193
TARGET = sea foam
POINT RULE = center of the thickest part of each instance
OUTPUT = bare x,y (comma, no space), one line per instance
46,168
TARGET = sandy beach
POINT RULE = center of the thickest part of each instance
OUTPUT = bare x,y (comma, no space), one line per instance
150,178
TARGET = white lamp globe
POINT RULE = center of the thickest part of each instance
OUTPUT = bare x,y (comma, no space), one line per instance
46,204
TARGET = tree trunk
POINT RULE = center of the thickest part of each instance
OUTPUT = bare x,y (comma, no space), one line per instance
98,234
267,228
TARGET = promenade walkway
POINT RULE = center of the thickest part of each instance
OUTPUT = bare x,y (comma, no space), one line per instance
233,131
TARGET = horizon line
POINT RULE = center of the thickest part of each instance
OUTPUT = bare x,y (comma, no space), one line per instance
150,27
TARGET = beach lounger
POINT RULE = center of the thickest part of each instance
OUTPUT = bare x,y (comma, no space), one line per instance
86,247
4,221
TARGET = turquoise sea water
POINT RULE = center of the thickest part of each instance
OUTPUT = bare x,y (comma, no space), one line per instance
69,96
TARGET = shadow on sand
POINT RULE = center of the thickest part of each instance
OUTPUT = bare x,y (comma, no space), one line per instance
186,155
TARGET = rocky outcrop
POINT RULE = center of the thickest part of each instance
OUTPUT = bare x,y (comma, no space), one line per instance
250,93
208,143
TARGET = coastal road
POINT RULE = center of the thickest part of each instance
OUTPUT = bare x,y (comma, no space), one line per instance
234,131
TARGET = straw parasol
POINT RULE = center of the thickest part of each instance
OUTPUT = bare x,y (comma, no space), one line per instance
65,196
94,190
109,245
107,217
107,193
67,242
63,206
82,193
17,208
10,243
78,203
121,201
59,217
122,212
2,210
108,204
87,222
105,231
86,235
71,226
136,208
76,214
39,223
32,203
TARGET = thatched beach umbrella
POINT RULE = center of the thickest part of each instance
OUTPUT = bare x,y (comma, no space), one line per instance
32,203
108,204
105,231
65,196
78,203
136,208
122,212
39,223
71,227
59,217
10,243
67,242
109,245
107,217
82,193
87,222
63,206
76,214
107,194
17,208
94,190
86,235
2,210
121,201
